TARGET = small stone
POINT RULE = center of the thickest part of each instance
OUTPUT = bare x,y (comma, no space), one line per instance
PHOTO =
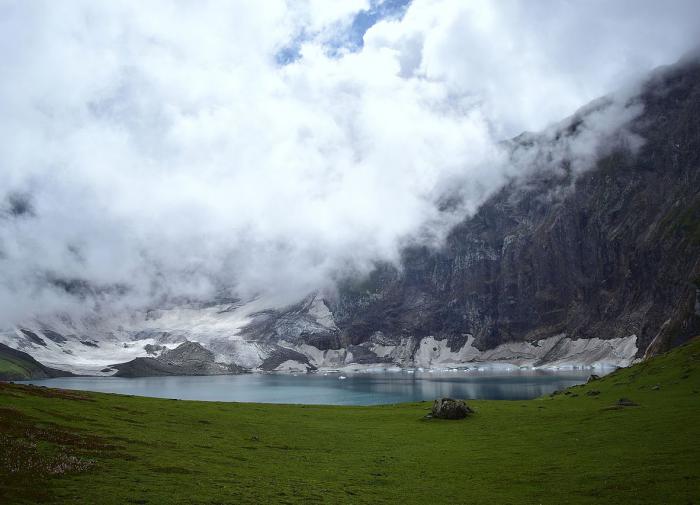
655,387
593,392
626,402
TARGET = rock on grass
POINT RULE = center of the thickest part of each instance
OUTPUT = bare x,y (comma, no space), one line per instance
447,408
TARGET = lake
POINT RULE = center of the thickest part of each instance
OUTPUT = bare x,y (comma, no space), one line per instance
356,389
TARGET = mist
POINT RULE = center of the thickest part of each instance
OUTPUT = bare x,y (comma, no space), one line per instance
162,151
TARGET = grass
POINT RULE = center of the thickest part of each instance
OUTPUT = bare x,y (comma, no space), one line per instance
14,368
10,367
578,446
17,365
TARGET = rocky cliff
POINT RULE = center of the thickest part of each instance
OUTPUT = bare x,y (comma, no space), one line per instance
607,253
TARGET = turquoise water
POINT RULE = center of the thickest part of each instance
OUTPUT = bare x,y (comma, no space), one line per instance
355,389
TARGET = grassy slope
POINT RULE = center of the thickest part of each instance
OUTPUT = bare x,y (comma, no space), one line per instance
13,367
10,368
18,365
569,448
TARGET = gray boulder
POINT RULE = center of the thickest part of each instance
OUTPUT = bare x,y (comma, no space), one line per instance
447,408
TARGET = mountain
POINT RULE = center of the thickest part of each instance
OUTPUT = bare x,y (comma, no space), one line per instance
188,358
18,365
564,266
608,253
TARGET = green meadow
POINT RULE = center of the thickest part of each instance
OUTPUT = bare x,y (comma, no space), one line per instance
579,446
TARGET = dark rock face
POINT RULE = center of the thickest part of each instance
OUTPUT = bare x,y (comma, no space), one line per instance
609,253
53,335
152,349
189,358
361,355
33,337
145,367
187,352
447,408
282,354
295,324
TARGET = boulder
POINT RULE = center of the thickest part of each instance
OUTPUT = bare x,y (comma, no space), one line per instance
447,408
593,377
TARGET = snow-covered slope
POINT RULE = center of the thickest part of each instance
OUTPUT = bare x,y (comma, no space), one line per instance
260,335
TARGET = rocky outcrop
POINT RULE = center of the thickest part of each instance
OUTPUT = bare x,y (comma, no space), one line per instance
189,358
308,322
447,408
284,359
145,367
33,337
186,353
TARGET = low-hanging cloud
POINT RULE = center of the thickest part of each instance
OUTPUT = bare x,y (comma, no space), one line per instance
162,150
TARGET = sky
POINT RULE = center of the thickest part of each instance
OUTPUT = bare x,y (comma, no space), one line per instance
161,150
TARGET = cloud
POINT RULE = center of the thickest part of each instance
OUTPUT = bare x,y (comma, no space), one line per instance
527,64
162,150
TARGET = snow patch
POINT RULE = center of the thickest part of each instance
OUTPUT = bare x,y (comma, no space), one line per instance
554,352
291,366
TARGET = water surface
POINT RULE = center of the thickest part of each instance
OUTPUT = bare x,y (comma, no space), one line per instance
356,389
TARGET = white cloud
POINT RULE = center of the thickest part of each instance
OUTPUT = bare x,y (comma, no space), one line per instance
530,63
164,148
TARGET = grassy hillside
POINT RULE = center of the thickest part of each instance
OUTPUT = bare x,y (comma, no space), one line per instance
18,365
575,447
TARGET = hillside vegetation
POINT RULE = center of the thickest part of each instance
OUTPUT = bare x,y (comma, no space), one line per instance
18,365
583,445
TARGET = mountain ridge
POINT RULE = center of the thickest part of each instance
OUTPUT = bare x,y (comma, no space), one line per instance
538,268
561,267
